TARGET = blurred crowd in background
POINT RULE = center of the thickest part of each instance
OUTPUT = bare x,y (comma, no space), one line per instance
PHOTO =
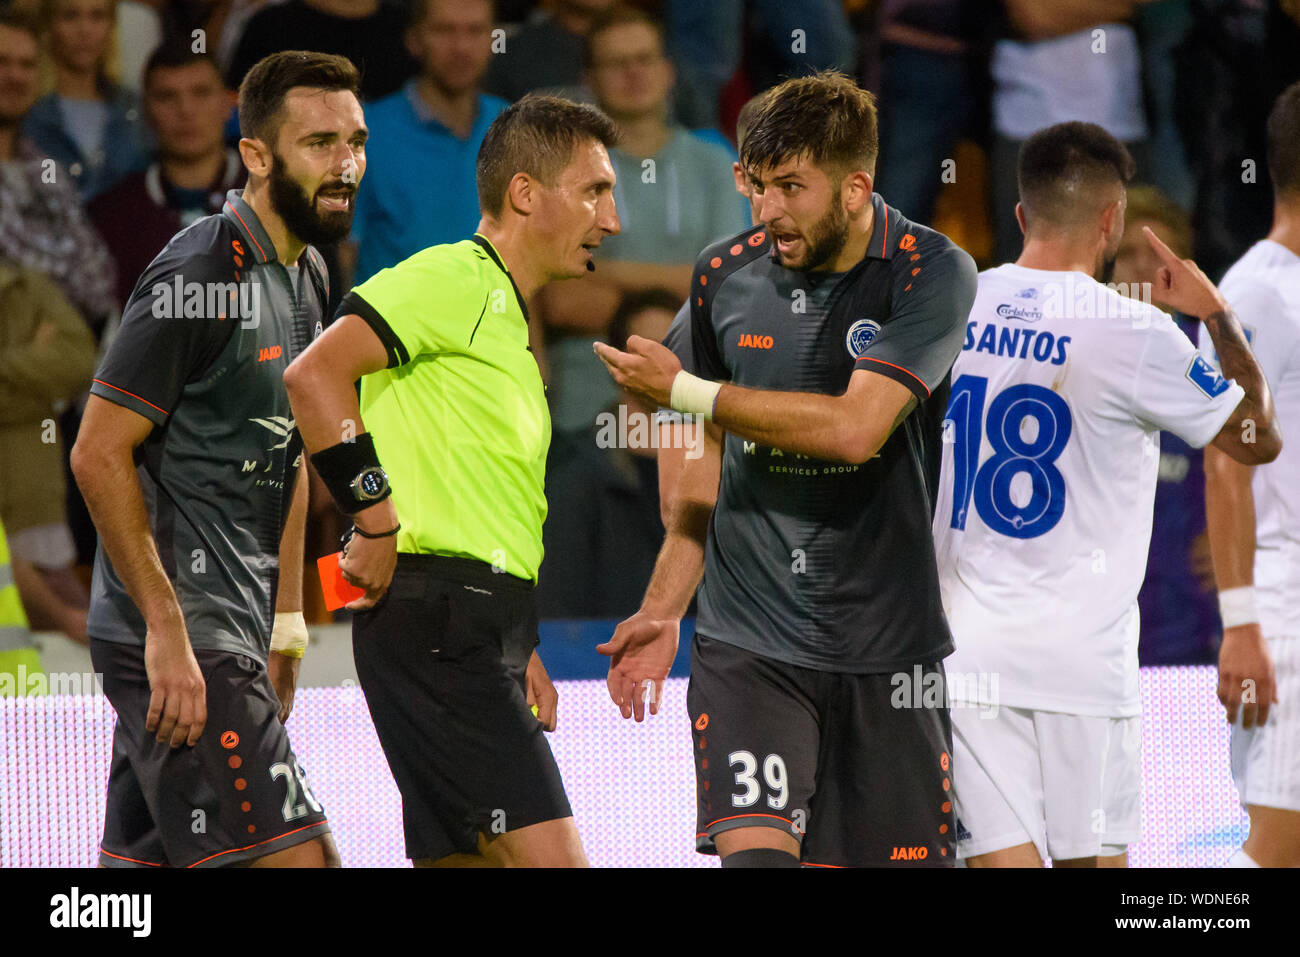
117,129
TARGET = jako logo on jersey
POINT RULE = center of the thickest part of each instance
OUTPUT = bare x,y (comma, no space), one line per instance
861,335
750,341
909,854
907,243
1206,378
269,352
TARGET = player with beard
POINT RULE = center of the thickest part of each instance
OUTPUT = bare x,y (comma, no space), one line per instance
1044,513
820,342
188,458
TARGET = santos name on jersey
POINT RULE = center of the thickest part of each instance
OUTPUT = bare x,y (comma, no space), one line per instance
1050,461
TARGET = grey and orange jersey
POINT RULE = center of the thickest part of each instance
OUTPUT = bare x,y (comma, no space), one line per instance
822,564
201,353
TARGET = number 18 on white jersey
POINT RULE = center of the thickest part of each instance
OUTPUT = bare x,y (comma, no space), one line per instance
1051,455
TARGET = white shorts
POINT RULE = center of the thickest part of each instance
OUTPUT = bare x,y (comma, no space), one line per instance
1070,784
1266,761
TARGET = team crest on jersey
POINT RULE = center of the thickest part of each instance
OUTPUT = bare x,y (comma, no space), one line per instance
861,335
1206,378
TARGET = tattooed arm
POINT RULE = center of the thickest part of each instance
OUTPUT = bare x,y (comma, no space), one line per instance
1251,435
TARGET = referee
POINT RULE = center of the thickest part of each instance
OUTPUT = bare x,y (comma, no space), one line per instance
455,417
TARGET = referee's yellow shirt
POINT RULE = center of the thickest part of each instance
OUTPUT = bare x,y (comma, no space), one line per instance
459,417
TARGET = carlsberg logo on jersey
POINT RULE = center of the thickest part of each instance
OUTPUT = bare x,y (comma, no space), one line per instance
77,910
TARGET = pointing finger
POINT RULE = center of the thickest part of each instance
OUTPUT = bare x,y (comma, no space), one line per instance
608,354
1163,251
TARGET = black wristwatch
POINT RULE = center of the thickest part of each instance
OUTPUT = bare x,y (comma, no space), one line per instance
370,485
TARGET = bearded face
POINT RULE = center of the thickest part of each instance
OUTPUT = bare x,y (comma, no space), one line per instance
319,218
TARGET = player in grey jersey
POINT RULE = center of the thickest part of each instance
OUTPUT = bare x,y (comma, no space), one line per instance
835,323
188,458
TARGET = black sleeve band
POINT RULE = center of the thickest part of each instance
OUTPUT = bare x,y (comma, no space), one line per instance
340,464
354,305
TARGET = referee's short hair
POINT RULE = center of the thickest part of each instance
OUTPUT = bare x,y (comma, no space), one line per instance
1284,142
537,136
825,117
1066,172
261,95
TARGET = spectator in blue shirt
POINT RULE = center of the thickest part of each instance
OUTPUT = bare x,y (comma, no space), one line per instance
424,139
89,124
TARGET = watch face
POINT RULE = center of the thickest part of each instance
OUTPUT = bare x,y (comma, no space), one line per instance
371,484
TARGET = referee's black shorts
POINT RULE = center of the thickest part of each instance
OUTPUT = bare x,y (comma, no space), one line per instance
441,660
858,773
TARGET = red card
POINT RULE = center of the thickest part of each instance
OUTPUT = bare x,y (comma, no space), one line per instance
337,591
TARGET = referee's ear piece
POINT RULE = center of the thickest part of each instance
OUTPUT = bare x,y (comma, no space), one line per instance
591,266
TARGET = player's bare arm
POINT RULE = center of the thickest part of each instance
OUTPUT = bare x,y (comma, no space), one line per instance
1244,659
644,646
320,383
850,427
283,666
104,466
1251,435
675,438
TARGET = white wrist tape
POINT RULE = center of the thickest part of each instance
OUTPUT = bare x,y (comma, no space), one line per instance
289,634
693,394
1237,606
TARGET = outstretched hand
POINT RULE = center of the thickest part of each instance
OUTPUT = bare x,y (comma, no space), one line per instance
647,368
641,652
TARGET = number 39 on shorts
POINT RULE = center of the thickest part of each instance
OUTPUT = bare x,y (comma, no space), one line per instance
748,787
1028,427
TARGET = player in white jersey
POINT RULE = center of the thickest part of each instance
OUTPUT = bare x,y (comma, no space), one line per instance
1044,511
1254,524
